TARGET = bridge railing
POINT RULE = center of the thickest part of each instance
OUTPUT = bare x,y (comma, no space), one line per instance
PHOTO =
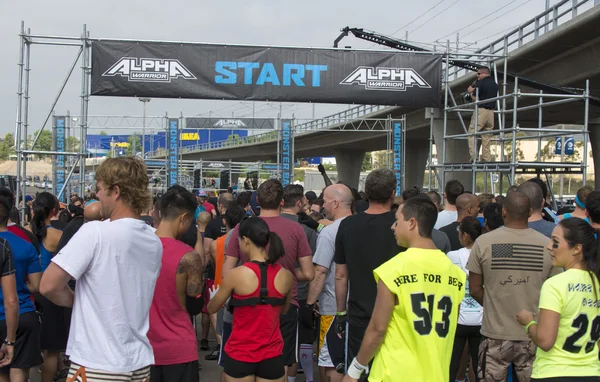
335,119
232,142
311,125
531,30
539,25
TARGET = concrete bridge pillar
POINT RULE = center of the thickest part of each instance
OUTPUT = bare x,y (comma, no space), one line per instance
594,134
457,150
417,154
349,163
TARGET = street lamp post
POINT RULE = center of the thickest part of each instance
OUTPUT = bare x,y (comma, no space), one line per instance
144,101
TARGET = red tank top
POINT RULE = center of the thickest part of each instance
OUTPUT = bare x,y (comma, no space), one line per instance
171,333
255,334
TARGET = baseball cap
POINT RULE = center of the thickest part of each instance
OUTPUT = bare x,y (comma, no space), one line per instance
201,193
28,198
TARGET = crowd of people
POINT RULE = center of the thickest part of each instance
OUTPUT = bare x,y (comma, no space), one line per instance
418,286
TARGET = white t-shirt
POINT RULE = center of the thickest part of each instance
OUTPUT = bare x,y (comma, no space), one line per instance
116,264
471,313
444,218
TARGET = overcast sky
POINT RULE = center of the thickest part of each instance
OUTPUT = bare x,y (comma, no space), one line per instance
309,23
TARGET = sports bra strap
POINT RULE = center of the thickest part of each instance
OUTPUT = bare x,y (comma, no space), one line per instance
263,298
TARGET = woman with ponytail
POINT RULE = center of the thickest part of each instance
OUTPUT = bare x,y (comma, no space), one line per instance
470,314
45,207
568,327
260,291
54,331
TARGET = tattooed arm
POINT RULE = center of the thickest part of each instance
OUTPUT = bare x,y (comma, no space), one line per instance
189,281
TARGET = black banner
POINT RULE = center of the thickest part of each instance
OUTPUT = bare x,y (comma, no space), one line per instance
287,163
173,145
233,72
59,167
230,123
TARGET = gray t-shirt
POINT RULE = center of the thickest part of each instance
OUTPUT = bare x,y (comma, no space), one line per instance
441,241
324,257
543,226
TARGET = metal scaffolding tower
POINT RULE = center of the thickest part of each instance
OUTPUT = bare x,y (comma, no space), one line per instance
507,124
27,40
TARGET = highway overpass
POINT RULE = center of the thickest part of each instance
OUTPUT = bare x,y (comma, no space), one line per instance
566,55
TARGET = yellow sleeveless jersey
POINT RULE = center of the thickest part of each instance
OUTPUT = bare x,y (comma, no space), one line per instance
420,336
575,296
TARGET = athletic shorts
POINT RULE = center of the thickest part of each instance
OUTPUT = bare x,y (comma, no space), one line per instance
227,328
306,335
78,373
272,368
219,323
55,325
495,356
181,372
27,345
288,325
331,347
354,337
206,294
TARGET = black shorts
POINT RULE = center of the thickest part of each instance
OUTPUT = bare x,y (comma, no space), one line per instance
54,330
27,346
272,368
183,372
354,337
288,325
306,335
227,328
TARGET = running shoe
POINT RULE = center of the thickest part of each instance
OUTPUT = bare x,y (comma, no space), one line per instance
214,355
204,345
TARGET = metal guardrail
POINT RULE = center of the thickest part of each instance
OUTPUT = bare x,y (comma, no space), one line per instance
532,29
317,124
239,141
539,25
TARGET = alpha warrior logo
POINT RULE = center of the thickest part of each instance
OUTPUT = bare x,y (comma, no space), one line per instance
393,79
230,123
149,70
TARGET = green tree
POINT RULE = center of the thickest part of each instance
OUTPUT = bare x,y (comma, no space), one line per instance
72,144
381,158
519,155
233,138
44,142
134,144
9,140
547,152
102,132
367,164
7,147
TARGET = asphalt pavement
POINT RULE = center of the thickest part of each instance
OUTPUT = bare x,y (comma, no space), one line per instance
211,371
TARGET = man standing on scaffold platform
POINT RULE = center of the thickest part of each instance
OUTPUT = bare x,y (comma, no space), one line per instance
488,88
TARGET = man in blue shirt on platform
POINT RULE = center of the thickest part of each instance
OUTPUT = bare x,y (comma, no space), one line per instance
28,273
